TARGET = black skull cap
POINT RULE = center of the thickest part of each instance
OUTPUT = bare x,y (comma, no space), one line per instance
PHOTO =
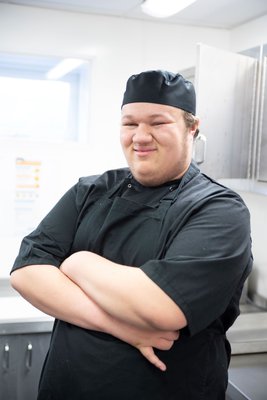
161,87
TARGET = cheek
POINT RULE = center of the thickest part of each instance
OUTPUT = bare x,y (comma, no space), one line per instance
177,147
125,138
122,138
171,141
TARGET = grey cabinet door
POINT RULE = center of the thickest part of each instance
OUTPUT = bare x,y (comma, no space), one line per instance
8,366
33,349
225,86
22,357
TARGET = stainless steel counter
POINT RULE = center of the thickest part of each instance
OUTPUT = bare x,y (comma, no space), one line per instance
37,325
6,289
248,367
248,377
19,316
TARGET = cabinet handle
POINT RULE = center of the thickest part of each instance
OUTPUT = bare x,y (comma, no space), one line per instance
6,358
199,153
29,356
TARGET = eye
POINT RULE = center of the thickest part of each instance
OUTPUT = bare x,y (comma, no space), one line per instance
158,123
129,124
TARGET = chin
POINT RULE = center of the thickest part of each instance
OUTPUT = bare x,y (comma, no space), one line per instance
147,179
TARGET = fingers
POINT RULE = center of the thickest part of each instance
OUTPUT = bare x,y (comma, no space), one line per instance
176,335
171,335
166,341
164,344
149,354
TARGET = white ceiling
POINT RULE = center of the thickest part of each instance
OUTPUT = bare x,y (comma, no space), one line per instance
225,14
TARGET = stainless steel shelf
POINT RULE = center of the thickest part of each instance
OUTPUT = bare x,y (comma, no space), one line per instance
249,333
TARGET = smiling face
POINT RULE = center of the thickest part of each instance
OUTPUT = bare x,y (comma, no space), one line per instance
156,142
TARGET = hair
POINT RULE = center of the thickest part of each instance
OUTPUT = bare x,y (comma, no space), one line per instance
190,120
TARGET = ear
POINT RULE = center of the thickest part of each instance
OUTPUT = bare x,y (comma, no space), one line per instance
195,128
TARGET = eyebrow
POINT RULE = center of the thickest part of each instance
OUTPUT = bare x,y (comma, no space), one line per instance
156,115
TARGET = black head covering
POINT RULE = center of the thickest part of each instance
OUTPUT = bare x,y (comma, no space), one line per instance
161,87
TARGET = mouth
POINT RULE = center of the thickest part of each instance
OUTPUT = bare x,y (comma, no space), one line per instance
142,152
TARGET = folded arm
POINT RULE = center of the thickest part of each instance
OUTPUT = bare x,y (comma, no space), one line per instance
48,289
125,293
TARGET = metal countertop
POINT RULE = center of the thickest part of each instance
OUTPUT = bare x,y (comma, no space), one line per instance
248,377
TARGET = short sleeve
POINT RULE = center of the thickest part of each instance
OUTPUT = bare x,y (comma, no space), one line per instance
50,243
206,261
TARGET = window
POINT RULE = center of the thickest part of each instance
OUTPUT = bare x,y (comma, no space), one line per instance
43,98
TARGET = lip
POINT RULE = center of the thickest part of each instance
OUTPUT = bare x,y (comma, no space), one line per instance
142,152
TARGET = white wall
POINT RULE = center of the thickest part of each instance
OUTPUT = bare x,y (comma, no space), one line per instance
249,35
119,47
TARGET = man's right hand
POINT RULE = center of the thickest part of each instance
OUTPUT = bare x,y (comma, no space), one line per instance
146,340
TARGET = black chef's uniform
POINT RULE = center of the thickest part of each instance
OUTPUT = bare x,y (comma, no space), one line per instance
192,238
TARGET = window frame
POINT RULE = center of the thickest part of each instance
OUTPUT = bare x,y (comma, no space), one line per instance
36,67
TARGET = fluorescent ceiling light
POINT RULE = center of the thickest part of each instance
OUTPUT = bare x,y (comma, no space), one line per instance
164,8
64,67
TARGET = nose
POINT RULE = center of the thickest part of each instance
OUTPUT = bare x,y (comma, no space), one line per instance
142,134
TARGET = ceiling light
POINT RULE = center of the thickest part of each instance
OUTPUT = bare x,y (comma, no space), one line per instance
64,67
164,8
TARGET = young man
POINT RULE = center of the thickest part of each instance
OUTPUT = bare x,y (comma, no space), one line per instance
142,267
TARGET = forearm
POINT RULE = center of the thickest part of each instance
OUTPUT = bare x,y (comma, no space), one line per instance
49,290
125,293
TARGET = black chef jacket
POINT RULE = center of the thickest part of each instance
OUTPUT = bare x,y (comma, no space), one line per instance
192,238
